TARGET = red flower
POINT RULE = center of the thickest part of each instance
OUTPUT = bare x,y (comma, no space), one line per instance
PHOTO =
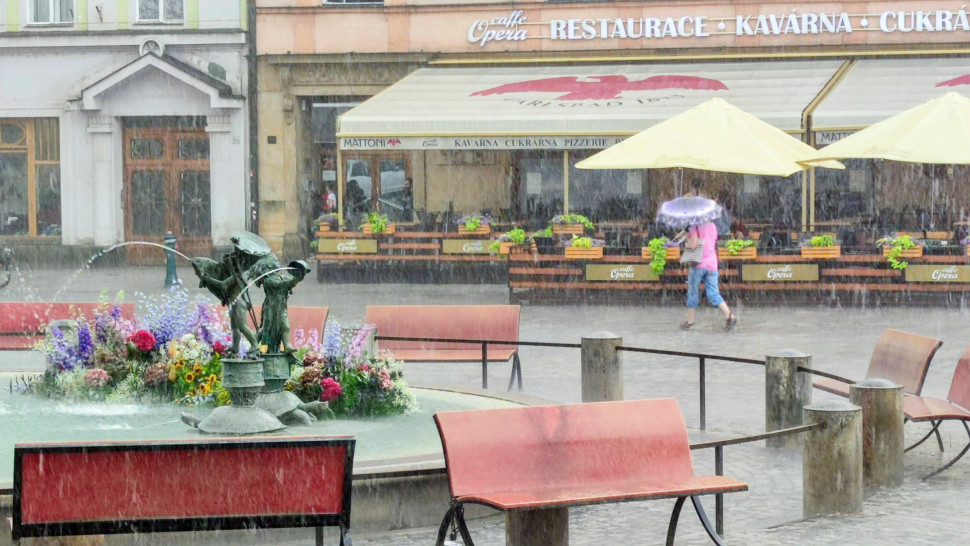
219,347
331,389
363,368
143,339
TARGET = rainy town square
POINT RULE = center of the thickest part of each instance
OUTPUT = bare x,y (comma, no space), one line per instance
405,272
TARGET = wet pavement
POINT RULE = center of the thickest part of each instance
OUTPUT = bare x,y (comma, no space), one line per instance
839,338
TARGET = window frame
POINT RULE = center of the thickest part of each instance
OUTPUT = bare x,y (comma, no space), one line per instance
52,6
161,19
30,146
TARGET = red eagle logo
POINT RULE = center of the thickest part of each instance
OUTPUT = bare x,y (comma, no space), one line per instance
962,80
393,142
602,87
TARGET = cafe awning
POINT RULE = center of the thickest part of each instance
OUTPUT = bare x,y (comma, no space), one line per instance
570,107
873,90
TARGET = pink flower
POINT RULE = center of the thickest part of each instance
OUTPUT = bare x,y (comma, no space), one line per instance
386,382
331,389
96,377
219,347
143,339
363,368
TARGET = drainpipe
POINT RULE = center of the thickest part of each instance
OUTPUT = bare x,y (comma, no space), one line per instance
251,93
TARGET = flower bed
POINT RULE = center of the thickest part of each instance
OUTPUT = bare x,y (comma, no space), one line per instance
172,351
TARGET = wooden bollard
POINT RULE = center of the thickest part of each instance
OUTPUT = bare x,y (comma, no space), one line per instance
881,401
602,367
787,391
832,463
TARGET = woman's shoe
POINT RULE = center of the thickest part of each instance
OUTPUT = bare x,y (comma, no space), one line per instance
686,325
731,321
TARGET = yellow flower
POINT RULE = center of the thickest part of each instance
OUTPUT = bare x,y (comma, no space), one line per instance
172,375
264,348
206,389
172,351
212,378
197,368
190,377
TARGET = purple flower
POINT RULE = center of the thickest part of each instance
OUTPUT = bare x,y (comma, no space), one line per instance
331,341
357,343
85,346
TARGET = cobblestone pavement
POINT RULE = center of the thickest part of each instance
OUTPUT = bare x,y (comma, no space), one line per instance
839,338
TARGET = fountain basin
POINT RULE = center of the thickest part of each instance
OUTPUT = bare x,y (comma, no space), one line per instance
399,478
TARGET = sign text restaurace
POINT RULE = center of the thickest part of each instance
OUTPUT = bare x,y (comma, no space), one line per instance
507,28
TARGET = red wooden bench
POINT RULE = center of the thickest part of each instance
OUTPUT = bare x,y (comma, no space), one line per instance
301,318
191,485
956,407
571,455
22,324
473,322
900,357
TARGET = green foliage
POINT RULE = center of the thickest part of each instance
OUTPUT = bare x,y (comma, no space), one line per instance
658,254
516,235
822,241
377,221
737,245
582,242
473,222
896,247
543,232
568,219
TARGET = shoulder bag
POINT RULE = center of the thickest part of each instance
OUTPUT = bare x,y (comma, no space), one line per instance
691,257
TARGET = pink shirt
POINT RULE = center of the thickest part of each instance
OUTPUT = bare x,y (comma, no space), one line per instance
707,233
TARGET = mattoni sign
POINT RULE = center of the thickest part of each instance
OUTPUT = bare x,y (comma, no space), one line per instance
515,26
620,272
347,246
779,272
466,246
938,273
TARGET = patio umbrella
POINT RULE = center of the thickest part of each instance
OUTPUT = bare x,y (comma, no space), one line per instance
684,212
937,131
712,136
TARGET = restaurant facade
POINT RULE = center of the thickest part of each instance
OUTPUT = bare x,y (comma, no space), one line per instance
487,107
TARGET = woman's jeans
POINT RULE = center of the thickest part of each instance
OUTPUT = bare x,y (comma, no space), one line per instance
697,276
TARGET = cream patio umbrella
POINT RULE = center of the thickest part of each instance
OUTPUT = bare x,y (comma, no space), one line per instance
712,136
937,131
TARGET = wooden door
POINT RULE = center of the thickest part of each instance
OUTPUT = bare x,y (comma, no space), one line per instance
166,189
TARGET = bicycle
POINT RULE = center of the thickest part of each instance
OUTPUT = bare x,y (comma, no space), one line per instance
6,264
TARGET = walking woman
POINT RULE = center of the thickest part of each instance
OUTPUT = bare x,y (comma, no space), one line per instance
705,272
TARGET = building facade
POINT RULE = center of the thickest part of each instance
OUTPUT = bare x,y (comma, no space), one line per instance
488,106
122,120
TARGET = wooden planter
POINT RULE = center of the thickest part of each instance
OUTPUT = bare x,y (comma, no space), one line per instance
673,253
747,253
576,253
568,229
967,249
822,252
323,226
516,248
914,252
389,231
480,230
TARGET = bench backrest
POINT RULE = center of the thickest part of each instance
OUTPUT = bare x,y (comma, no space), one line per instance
301,318
960,387
499,322
903,358
488,451
231,483
32,317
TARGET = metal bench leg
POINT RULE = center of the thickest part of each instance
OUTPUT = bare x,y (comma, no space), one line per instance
711,532
674,516
955,459
345,537
454,514
935,429
516,372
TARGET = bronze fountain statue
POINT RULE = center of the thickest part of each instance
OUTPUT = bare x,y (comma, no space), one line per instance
255,383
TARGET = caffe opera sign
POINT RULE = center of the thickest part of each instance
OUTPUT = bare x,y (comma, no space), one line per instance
347,246
938,273
620,273
779,272
514,26
466,246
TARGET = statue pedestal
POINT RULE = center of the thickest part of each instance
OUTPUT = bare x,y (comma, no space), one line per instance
243,378
272,397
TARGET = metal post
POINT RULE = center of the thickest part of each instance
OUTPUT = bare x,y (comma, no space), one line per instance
719,498
602,367
703,392
484,364
171,276
319,536
787,391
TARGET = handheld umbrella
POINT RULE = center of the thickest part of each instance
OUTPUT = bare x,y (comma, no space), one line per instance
684,212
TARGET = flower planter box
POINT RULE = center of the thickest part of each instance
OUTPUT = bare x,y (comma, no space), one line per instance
747,253
914,252
568,229
822,252
516,248
323,226
967,249
480,230
576,253
389,231
673,253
